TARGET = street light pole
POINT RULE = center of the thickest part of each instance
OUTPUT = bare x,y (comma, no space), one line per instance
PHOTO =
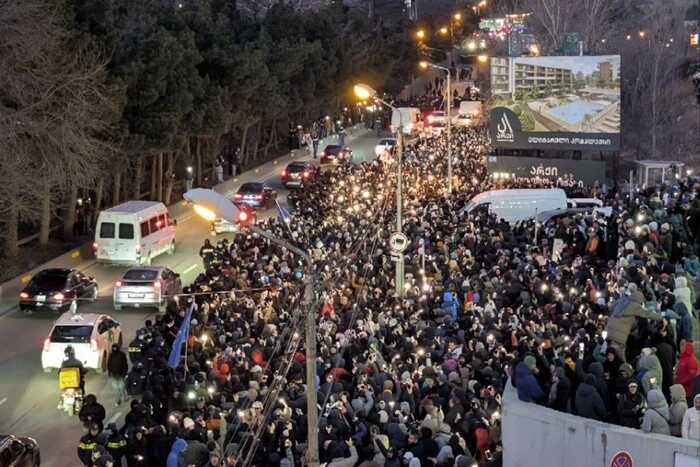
365,92
312,452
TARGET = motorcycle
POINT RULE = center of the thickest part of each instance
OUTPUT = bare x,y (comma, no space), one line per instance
71,400
71,393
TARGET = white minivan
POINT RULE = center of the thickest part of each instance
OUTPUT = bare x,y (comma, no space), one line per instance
134,232
519,204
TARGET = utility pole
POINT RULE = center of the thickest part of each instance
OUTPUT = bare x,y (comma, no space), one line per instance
448,103
400,277
312,455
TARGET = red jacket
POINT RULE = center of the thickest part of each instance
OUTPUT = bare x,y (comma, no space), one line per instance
687,368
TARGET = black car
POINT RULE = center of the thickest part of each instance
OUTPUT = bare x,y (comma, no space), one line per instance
257,195
18,451
297,173
57,290
335,154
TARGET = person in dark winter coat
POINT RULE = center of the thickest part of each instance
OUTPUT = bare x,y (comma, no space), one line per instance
663,343
137,450
588,401
529,390
87,443
92,412
630,406
117,368
596,369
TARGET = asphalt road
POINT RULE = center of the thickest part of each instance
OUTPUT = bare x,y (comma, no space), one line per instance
28,396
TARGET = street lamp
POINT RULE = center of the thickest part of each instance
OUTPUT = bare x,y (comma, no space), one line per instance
366,92
211,205
448,108
483,58
420,34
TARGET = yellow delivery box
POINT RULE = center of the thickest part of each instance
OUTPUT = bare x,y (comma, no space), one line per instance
69,378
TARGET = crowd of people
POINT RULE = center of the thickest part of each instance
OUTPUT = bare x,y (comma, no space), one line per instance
590,314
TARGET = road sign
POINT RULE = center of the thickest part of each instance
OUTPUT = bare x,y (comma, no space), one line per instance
396,256
621,459
398,242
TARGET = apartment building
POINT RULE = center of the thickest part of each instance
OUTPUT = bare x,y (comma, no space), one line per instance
510,75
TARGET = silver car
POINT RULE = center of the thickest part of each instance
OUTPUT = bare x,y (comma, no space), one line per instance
146,286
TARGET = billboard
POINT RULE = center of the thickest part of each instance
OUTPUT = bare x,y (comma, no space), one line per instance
556,102
565,173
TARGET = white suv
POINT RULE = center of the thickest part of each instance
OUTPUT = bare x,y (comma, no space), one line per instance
91,335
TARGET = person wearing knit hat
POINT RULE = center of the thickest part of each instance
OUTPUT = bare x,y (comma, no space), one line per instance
529,389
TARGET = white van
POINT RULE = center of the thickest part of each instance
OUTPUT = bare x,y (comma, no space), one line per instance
519,204
134,232
409,117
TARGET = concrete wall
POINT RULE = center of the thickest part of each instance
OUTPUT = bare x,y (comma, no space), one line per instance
534,435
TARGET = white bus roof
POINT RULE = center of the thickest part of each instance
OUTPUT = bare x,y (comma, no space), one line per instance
134,207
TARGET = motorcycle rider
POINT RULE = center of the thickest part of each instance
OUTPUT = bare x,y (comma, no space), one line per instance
71,362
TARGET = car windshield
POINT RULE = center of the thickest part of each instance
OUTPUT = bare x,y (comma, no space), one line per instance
141,275
387,142
71,334
49,281
294,168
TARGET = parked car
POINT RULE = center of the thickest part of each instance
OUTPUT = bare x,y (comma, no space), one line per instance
297,173
19,451
335,154
257,195
90,334
146,286
465,120
57,289
384,144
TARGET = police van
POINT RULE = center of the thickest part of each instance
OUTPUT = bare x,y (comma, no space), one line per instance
134,232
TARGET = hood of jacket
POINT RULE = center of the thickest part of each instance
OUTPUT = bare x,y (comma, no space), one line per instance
657,401
445,453
650,363
689,350
596,369
677,393
627,368
681,282
90,399
680,308
178,446
586,390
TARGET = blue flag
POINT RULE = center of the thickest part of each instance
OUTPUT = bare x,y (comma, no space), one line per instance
182,335
285,215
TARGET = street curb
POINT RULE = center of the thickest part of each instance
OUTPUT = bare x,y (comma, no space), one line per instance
82,257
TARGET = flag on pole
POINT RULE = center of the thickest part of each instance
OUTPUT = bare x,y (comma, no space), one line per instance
183,335
285,215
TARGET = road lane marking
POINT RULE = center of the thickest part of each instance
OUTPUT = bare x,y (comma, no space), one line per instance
114,418
75,254
189,269
26,278
3,400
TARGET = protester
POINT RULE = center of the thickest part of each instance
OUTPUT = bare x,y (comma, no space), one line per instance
690,427
656,416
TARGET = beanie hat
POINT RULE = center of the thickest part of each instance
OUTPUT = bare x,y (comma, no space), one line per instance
405,407
589,379
629,245
530,362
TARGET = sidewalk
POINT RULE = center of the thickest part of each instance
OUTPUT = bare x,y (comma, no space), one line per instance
82,257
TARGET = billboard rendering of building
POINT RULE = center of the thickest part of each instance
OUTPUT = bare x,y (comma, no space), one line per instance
556,102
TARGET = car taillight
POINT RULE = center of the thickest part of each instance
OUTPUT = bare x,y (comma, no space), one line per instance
93,345
306,174
238,195
59,297
95,246
243,216
138,249
258,196
24,295
118,284
341,155
156,284
70,390
47,344
323,153
284,173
